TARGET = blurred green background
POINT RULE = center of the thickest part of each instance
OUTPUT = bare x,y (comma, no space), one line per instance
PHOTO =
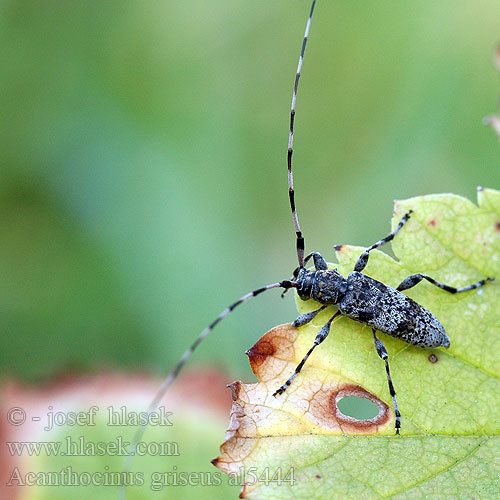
143,177
143,182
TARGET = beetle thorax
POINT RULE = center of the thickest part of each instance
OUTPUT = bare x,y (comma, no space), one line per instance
326,287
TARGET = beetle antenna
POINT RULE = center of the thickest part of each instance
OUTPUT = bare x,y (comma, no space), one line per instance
180,364
291,193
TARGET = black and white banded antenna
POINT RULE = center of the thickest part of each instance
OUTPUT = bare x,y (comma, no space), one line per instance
291,192
286,284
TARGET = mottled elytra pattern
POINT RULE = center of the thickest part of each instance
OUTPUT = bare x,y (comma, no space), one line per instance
358,296
388,310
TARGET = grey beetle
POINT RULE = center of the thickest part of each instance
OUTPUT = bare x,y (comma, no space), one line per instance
372,303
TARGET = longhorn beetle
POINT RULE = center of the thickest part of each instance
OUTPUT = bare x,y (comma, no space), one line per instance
358,296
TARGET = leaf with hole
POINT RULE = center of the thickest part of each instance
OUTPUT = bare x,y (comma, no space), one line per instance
302,444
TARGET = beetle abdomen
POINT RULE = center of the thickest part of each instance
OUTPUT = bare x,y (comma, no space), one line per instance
390,311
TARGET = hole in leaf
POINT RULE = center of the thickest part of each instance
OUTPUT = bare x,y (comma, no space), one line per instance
358,408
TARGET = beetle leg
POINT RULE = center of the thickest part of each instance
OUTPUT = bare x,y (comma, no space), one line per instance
363,258
382,352
323,333
415,279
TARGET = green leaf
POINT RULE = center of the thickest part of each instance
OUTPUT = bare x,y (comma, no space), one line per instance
449,399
